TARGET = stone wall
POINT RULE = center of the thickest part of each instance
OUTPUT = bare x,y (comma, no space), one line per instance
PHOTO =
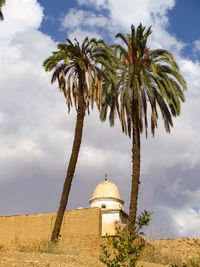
36,227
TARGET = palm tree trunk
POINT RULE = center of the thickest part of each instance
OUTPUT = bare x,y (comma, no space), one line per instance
71,167
135,172
2,3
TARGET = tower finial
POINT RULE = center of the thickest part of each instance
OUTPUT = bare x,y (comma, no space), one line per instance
106,179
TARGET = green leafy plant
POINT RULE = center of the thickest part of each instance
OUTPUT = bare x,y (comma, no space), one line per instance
125,248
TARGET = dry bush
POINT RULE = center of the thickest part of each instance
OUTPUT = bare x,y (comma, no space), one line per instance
156,253
2,248
43,246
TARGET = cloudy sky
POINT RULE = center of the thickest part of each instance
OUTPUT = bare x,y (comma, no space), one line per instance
36,132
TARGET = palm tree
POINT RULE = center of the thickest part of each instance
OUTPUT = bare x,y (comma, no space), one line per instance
2,3
77,70
146,78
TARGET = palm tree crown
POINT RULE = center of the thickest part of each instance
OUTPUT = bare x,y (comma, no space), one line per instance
146,76
74,65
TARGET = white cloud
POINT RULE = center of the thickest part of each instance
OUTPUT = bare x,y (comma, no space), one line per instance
20,17
25,90
81,24
75,18
197,45
144,11
98,3
190,71
181,219
80,35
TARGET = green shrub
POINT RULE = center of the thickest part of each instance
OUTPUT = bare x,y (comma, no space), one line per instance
125,249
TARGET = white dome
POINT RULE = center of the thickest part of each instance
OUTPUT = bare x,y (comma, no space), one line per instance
106,194
106,189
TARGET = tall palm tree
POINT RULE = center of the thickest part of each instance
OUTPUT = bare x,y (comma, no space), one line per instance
2,3
146,78
77,69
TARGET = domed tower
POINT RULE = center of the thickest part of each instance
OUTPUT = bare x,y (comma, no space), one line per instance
107,197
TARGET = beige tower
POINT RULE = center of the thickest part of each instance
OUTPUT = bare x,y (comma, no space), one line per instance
107,197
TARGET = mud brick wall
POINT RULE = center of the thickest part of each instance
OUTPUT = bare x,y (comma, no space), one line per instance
37,227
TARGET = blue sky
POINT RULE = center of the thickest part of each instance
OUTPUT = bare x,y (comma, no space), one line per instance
184,20
36,132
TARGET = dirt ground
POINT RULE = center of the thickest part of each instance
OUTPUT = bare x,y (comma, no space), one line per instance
19,259
161,253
